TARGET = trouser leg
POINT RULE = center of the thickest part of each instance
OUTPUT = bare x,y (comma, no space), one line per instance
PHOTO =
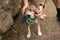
57,4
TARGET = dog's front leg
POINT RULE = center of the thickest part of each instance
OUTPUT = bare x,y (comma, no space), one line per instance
38,28
29,32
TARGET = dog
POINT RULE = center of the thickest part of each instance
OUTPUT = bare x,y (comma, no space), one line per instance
31,19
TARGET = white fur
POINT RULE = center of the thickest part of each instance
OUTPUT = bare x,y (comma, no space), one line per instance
31,13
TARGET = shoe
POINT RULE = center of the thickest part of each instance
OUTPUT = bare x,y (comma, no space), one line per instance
58,16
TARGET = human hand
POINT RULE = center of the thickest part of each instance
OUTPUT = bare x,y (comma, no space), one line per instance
24,8
39,11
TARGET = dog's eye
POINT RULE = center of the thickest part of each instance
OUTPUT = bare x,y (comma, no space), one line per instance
30,9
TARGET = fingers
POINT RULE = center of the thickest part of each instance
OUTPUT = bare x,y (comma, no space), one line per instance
41,8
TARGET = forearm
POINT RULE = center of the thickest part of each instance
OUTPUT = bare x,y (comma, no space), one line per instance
26,3
43,1
42,4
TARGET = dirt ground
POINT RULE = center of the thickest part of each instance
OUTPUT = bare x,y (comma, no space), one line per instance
50,27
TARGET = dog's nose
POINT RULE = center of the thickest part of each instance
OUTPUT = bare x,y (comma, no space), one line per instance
28,15
35,13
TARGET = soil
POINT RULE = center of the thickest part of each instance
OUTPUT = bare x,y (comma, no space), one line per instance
50,27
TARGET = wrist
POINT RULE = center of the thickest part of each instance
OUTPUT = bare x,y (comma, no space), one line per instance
26,5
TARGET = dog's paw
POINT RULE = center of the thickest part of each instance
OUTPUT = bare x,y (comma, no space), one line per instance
39,33
28,35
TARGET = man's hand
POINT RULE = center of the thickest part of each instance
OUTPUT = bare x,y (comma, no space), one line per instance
24,8
41,8
39,11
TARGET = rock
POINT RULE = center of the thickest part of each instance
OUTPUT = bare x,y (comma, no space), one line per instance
8,9
5,21
11,6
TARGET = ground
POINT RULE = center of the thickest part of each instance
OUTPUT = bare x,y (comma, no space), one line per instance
50,27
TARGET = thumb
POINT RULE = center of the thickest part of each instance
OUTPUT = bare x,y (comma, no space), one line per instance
40,8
